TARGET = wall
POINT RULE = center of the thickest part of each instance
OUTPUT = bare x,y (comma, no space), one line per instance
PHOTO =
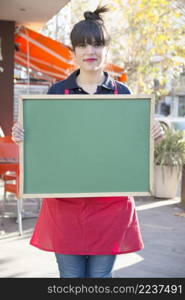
6,77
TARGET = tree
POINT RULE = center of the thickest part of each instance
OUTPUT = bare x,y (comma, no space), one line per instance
151,32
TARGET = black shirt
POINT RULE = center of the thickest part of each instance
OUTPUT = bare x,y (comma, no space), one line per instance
107,87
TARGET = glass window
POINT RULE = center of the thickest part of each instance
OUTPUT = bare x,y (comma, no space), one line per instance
181,106
178,125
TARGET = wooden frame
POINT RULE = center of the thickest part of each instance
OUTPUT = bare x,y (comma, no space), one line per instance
31,98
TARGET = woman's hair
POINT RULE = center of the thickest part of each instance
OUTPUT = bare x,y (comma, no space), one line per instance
91,30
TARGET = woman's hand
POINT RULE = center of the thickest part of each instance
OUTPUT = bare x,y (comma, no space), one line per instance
17,133
157,131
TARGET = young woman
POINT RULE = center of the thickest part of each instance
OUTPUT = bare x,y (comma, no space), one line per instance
86,234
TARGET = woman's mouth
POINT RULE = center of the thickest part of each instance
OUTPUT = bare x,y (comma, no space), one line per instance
90,59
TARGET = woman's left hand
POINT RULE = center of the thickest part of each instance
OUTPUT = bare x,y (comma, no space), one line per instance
157,131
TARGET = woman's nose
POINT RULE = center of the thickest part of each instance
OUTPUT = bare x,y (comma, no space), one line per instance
90,48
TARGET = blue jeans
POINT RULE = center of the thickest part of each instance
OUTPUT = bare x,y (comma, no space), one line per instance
82,266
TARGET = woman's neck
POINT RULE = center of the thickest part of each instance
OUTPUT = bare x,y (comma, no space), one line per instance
90,80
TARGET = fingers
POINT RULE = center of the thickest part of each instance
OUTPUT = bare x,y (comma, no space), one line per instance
17,133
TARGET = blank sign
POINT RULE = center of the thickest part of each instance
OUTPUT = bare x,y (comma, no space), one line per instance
86,145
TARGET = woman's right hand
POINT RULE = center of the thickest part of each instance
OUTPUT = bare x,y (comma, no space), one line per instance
17,133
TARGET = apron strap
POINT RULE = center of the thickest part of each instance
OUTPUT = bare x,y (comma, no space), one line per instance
66,91
115,88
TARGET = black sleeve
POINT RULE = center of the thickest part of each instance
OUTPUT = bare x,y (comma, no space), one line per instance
122,88
57,88
51,90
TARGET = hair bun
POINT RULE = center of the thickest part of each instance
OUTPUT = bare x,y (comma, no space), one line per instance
95,15
88,15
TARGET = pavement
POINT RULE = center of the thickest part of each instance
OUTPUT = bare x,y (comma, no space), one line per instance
162,223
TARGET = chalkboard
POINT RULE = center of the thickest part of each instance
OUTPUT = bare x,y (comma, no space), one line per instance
86,145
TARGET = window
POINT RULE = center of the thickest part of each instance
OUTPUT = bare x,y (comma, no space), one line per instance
181,112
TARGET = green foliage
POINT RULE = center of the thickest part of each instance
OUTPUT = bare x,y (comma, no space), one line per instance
170,151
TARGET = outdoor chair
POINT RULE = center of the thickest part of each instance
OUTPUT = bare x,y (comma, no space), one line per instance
9,173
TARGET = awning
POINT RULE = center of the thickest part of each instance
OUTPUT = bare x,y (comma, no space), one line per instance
52,58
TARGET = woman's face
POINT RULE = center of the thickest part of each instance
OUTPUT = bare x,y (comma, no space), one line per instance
90,57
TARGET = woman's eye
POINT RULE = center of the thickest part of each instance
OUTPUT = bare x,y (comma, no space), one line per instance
97,45
81,45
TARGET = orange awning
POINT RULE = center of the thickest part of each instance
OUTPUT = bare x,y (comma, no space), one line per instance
50,57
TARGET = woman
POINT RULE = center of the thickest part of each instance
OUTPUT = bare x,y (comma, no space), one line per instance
86,234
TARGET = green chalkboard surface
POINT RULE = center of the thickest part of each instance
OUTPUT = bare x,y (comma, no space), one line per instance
86,145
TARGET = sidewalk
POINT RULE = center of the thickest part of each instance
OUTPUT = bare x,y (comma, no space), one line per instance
162,225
